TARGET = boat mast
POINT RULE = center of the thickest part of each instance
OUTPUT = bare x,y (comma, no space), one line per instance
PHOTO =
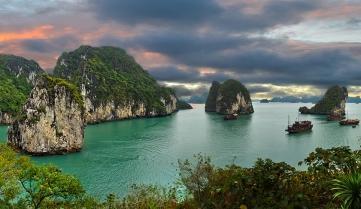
288,120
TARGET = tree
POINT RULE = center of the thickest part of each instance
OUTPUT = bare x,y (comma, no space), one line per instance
48,183
10,169
196,177
348,190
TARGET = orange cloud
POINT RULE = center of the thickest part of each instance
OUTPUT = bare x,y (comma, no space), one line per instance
40,32
150,59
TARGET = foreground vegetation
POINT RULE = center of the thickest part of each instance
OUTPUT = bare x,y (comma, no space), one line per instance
332,180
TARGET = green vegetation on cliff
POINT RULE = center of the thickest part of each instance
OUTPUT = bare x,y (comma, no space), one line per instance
110,74
332,100
332,179
229,90
15,85
49,82
230,97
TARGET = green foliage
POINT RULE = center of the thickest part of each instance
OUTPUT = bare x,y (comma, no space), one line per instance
337,160
110,74
11,98
348,190
44,184
230,88
49,82
332,180
13,88
10,168
146,197
25,185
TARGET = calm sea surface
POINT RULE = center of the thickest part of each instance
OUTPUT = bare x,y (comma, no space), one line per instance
118,154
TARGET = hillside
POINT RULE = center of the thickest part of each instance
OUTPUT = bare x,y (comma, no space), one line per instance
115,85
17,76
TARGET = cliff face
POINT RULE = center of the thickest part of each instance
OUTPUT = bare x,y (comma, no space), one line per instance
110,111
17,76
333,103
231,98
114,85
52,119
212,97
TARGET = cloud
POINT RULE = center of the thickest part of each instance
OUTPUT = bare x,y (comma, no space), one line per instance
180,12
198,41
254,60
50,45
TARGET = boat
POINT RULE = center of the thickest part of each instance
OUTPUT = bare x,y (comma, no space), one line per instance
349,122
299,126
230,117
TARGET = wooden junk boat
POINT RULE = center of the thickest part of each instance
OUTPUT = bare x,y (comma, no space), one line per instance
349,122
230,117
299,126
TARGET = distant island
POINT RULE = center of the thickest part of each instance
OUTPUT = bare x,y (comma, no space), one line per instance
201,99
309,99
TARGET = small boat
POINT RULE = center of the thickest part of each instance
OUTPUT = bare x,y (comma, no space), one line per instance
299,126
230,117
349,122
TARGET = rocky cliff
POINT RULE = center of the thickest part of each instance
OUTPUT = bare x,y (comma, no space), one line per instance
231,97
114,85
52,119
212,97
332,103
17,76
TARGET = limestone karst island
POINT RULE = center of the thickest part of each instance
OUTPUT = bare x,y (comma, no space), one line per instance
191,104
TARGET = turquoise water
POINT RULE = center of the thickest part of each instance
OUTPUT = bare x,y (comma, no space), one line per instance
118,154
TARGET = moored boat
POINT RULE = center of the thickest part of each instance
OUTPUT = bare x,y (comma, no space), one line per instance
349,122
299,126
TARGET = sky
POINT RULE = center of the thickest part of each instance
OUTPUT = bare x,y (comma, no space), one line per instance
274,47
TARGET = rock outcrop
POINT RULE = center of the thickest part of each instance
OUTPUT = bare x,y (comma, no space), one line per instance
114,86
17,77
230,97
182,105
6,118
333,103
51,121
211,105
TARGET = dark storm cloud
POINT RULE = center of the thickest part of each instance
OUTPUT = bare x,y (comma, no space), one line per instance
258,89
156,11
273,13
257,60
174,74
196,13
